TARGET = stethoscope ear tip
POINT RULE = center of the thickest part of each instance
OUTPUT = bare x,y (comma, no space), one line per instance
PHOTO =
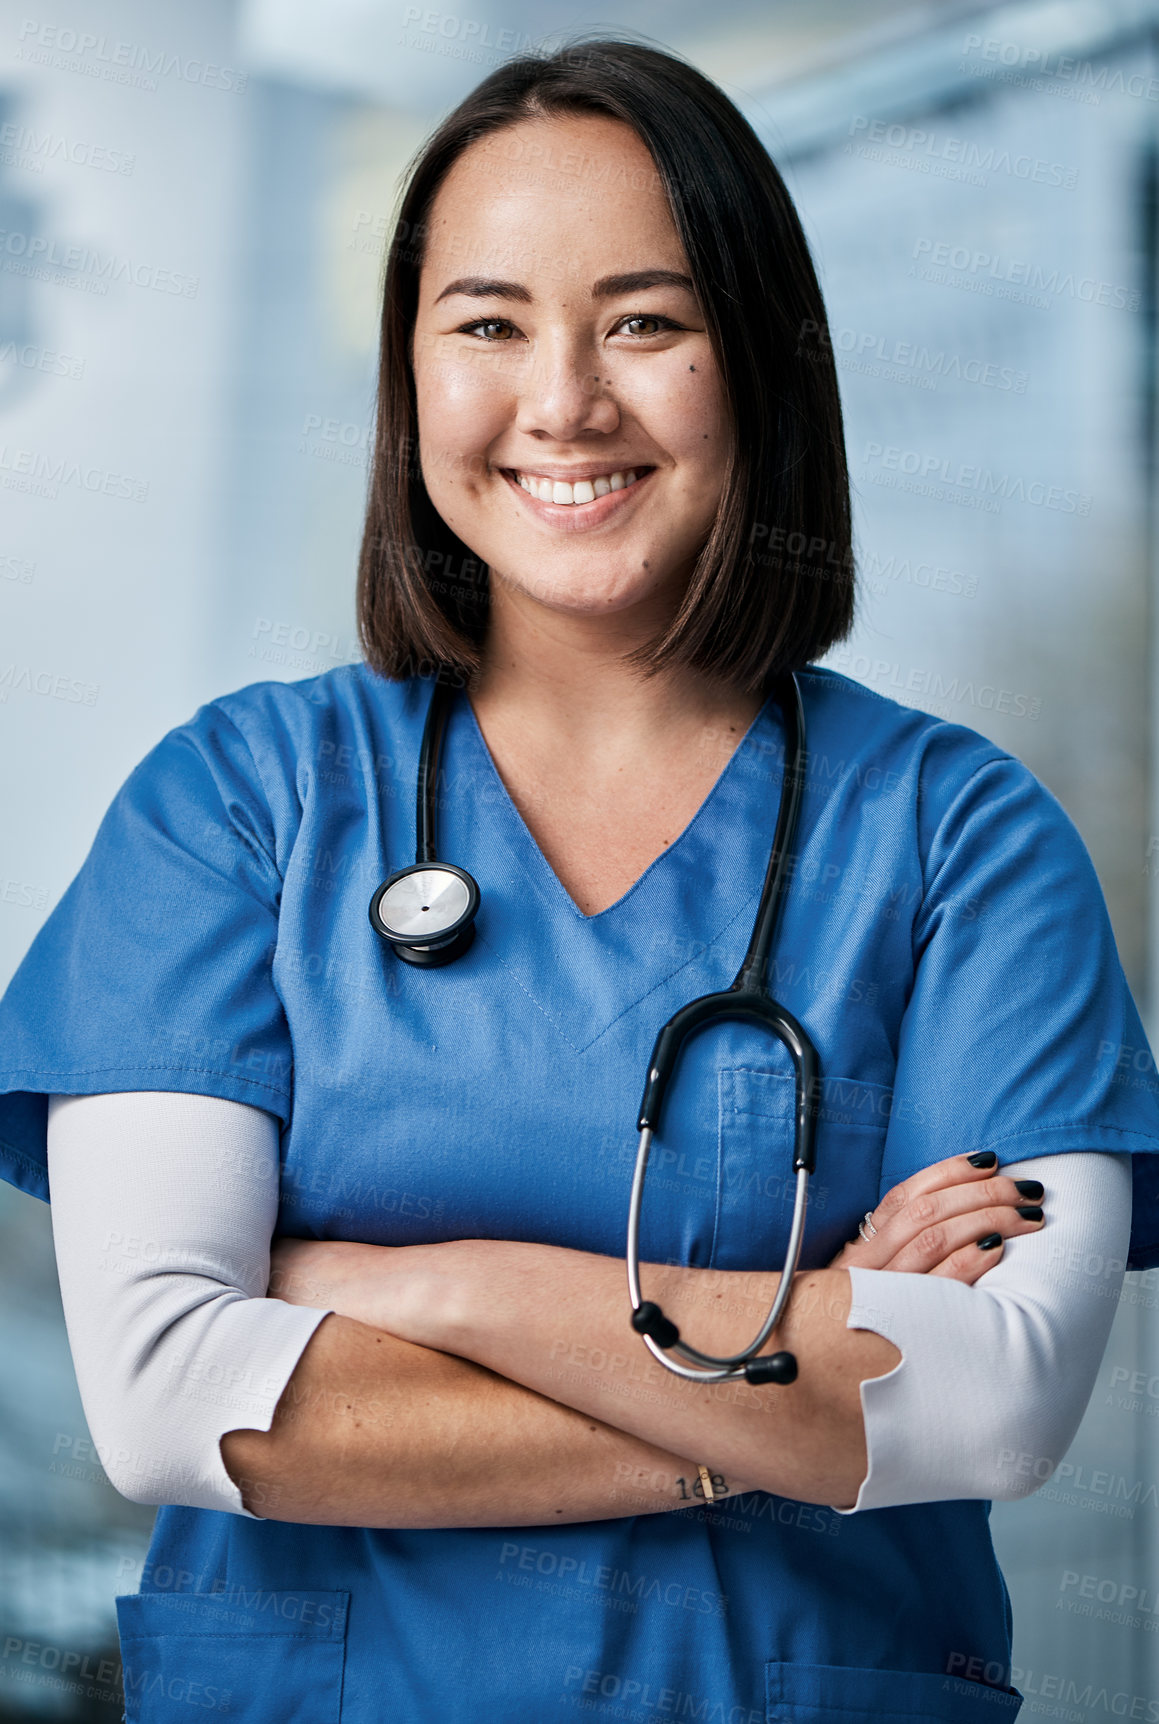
648,1319
771,1368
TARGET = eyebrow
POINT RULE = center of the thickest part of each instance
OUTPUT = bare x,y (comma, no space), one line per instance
608,286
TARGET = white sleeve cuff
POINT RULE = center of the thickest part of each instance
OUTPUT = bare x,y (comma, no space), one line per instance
996,1373
224,1367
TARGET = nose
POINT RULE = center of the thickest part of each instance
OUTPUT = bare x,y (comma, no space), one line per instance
563,395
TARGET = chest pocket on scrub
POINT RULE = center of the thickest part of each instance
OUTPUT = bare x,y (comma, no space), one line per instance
756,1182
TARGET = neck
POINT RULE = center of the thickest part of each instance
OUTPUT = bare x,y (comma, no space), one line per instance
565,679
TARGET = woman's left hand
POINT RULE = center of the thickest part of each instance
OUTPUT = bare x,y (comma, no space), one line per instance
951,1219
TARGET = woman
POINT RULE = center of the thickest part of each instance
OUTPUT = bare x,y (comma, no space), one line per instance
436,1475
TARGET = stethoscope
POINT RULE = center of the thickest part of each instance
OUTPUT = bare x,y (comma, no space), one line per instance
426,914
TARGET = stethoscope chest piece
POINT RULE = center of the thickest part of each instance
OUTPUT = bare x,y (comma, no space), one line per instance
426,913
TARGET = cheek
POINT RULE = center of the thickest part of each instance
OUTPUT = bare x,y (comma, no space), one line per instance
685,411
464,399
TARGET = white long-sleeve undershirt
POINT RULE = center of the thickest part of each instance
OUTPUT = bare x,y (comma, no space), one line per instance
163,1209
164,1205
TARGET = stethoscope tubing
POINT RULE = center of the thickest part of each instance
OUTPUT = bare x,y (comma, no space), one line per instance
747,998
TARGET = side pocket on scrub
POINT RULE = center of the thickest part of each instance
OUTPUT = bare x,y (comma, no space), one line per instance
255,1656
840,1694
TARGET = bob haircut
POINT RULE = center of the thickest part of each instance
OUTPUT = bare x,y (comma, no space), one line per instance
772,586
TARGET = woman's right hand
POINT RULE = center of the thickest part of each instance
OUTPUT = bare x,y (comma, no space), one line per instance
950,1219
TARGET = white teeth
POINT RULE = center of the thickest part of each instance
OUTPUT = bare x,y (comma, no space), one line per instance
583,491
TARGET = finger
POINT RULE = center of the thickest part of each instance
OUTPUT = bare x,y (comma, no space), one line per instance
972,1261
931,1208
954,1170
935,1244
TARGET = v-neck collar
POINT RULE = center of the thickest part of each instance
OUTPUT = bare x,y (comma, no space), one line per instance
691,909
531,845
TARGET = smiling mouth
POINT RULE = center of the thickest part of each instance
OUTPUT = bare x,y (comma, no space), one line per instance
576,492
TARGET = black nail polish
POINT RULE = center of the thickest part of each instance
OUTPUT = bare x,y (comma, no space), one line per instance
1029,1212
1029,1188
983,1158
990,1242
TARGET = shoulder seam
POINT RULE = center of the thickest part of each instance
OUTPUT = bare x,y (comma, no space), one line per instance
234,725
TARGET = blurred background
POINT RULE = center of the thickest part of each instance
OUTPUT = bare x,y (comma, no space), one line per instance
194,200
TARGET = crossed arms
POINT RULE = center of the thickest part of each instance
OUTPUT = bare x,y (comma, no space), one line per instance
487,1382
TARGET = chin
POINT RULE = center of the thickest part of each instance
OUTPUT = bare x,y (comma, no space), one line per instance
593,598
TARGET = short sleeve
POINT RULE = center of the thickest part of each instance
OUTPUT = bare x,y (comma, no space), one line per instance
1020,1034
154,972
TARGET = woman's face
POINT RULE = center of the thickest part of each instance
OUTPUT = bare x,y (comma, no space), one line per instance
553,361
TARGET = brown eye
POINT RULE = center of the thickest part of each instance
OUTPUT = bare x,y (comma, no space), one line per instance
495,328
648,317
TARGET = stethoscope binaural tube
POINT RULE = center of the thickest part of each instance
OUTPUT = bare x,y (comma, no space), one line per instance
426,913
747,998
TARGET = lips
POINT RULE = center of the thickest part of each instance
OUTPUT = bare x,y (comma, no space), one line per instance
577,516
581,490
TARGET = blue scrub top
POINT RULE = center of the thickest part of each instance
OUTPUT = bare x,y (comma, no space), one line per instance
945,943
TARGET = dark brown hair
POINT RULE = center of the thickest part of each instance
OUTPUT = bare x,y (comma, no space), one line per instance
772,587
